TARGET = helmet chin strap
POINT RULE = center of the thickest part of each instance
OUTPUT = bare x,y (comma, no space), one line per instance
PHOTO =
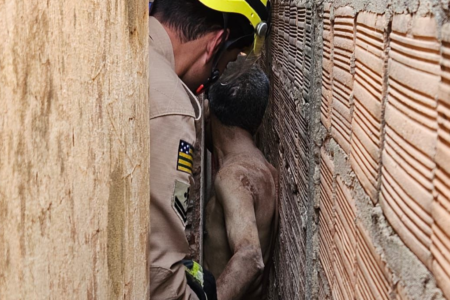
215,73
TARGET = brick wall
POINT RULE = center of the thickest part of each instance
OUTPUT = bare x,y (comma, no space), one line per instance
285,142
359,129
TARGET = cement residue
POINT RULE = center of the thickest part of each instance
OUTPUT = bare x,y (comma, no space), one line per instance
317,133
440,9
325,284
379,6
407,270
341,162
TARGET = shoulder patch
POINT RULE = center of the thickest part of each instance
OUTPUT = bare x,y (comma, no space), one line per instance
185,159
180,200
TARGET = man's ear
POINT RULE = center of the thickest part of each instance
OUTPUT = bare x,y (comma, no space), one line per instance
214,43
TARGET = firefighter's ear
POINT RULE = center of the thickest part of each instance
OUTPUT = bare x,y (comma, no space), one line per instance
215,42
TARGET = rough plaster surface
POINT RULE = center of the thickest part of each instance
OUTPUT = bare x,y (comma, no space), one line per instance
366,64
194,225
74,150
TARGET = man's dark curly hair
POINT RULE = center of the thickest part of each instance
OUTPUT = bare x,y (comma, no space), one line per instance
241,101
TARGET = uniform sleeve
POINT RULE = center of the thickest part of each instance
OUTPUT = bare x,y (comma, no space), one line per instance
172,139
170,284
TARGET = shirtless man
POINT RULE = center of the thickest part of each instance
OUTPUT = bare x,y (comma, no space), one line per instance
242,217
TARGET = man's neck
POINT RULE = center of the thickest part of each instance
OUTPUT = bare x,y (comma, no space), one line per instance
229,141
185,54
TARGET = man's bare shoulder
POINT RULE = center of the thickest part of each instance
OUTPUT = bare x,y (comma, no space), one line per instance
230,170
242,165
251,172
229,175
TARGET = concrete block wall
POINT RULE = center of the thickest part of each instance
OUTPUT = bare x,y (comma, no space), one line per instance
359,128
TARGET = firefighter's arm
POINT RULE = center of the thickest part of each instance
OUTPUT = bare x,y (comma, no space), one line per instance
172,137
170,284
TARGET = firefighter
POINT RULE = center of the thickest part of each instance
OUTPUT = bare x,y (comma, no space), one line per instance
191,42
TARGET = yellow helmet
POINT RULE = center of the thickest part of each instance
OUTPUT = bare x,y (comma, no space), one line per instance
256,11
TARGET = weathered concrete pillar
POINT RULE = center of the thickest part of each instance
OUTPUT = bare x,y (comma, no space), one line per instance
74,149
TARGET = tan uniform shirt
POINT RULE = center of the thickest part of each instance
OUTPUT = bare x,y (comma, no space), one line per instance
172,134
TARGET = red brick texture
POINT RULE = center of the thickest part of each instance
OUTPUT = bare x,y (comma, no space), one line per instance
327,68
385,110
343,54
369,93
284,140
389,85
411,131
440,241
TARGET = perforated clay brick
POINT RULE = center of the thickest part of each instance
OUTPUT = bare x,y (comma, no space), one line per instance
411,131
343,52
369,93
440,247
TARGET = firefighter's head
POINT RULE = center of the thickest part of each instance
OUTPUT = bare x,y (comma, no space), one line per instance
211,33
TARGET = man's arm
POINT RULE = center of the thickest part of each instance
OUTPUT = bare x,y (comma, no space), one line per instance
247,262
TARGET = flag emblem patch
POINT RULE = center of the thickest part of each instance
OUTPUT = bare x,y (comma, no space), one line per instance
185,158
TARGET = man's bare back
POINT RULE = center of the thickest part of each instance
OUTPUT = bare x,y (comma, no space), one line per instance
242,216
246,211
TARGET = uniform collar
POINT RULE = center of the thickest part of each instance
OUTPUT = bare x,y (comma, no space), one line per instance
160,40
